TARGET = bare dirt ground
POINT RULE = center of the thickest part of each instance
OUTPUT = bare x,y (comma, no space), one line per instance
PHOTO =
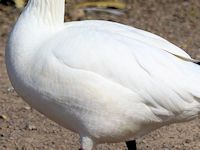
22,128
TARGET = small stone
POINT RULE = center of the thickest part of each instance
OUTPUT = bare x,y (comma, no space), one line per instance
144,141
188,141
27,107
166,146
31,127
10,89
4,117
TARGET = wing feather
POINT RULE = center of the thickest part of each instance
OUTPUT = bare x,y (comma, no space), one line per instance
145,63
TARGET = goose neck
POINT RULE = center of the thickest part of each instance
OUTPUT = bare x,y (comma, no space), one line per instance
47,12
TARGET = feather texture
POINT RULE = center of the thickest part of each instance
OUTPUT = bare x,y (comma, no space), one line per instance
106,81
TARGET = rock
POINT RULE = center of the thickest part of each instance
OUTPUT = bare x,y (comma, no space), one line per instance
27,107
10,89
31,127
4,117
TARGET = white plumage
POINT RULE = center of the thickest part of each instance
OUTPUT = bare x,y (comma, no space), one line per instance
106,81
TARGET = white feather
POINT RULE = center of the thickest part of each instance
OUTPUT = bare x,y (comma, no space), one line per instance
106,81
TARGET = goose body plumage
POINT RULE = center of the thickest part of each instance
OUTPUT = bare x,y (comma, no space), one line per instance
106,81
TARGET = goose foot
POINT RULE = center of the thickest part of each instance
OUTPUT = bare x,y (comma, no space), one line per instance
131,145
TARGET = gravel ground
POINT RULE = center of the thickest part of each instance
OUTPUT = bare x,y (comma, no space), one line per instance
22,128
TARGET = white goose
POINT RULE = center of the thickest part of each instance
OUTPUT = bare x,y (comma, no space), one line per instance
106,81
